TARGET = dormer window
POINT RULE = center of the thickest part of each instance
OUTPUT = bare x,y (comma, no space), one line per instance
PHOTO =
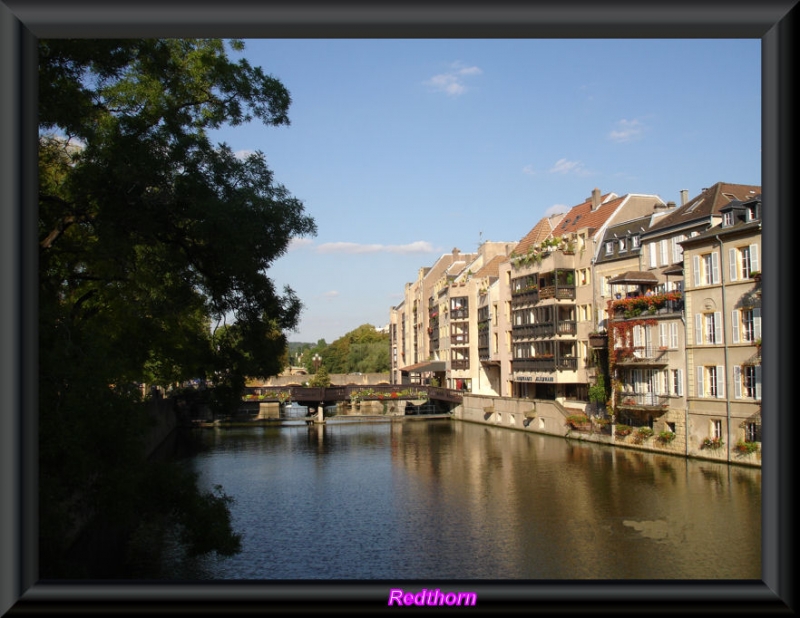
623,245
635,241
727,219
753,212
610,247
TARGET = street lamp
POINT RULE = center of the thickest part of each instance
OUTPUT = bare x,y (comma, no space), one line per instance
317,360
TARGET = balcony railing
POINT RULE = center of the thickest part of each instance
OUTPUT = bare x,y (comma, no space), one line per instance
459,314
534,364
557,292
642,400
459,364
567,327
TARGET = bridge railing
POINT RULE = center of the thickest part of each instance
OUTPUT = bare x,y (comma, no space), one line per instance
350,392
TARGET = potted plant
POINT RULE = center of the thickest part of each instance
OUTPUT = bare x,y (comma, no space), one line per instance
666,436
579,421
712,443
623,430
642,434
745,447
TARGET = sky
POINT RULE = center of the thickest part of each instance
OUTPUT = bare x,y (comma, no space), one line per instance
403,149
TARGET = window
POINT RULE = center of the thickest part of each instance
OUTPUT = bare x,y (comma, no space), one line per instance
754,212
747,382
664,252
706,269
711,381
677,382
746,325
716,430
623,245
727,219
743,261
610,247
677,249
668,335
635,241
752,432
708,328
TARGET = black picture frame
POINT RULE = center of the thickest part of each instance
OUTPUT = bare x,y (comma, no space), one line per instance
22,22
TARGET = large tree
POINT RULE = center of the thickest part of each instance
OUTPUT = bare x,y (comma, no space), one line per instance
150,234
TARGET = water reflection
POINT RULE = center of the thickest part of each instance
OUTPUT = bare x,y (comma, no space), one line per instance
449,500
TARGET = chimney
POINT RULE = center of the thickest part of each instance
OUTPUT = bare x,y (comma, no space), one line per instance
595,198
670,204
684,196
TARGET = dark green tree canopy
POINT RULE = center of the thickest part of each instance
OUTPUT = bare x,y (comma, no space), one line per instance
144,220
154,247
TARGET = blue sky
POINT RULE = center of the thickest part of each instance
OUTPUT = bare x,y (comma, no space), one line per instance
403,149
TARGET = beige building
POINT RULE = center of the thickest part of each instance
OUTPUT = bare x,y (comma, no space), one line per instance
723,327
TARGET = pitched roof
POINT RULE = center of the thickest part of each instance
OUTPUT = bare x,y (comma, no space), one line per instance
707,203
635,276
492,268
582,216
541,231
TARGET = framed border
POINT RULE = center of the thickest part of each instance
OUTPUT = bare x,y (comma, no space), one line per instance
22,22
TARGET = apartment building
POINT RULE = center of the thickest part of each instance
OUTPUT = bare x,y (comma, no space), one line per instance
723,327
522,320
550,298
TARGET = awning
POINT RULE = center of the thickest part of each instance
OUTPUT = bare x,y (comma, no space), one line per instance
673,270
634,276
434,366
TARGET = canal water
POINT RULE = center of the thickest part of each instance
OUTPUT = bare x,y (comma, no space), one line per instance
425,499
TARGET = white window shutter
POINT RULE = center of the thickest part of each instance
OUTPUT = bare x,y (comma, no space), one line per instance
757,322
721,381
698,328
754,258
732,264
717,327
662,335
758,382
674,329
715,267
696,263
700,391
735,325
737,382
679,384
653,256
664,252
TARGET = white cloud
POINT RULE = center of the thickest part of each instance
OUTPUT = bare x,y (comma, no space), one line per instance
299,243
331,295
627,131
556,209
564,166
529,170
452,82
419,246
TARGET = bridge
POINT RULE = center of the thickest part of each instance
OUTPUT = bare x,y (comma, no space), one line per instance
324,396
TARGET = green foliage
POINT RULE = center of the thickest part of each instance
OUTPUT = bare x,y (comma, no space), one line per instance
321,378
362,350
597,391
149,236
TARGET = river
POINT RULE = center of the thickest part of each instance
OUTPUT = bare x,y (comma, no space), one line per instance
443,499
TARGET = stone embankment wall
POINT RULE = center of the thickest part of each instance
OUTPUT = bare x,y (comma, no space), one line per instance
550,417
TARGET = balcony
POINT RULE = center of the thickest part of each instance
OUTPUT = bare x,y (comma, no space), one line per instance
459,364
650,401
557,292
643,356
542,363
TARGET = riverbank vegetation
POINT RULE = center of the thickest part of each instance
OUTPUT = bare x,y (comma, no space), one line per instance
154,245
362,350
